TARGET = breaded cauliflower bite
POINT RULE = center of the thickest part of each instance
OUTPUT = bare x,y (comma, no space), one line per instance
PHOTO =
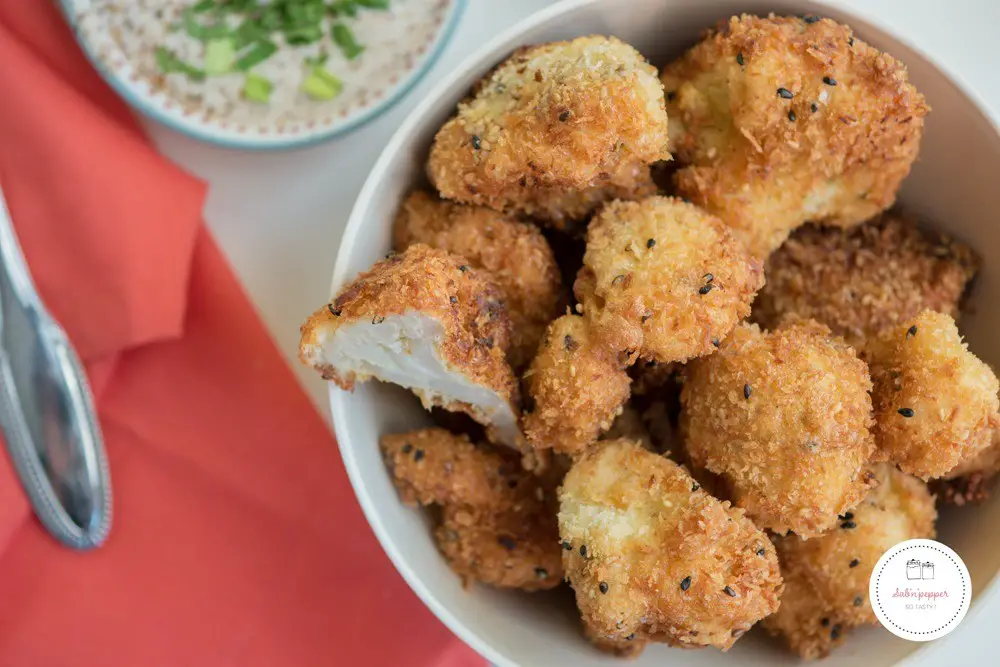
562,116
515,254
971,481
653,558
575,386
826,578
669,271
425,320
495,526
781,120
784,418
935,402
862,281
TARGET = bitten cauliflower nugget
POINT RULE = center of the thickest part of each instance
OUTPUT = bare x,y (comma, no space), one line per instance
863,281
562,116
781,120
576,387
669,271
495,526
935,402
425,320
515,254
784,418
651,558
826,578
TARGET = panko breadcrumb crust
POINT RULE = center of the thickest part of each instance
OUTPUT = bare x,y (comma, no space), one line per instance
862,281
671,272
495,526
575,388
781,120
653,558
935,402
514,254
561,116
785,418
826,577
437,284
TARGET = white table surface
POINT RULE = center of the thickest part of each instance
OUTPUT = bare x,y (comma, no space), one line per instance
279,217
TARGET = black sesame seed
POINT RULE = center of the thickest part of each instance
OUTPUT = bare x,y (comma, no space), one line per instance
858,601
541,573
746,391
705,289
791,115
716,342
377,320
829,80
810,18
506,542
729,591
785,93
850,41
912,331
824,622
846,516
854,563
761,551
695,487
814,107
906,412
463,268
603,586
564,116
418,455
847,525
630,637
568,342
739,59
453,299
583,550
685,583
618,279
650,243
567,546
333,311
835,632
645,316
708,277
407,448
477,143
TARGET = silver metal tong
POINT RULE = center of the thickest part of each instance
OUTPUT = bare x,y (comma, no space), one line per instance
46,410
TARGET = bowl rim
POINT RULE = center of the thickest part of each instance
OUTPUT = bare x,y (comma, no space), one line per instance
355,226
200,132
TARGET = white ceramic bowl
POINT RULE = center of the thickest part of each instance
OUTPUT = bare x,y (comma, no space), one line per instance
953,185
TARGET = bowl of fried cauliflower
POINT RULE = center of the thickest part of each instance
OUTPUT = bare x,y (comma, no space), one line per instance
659,321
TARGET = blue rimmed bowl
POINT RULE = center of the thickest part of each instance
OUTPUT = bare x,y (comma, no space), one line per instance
325,120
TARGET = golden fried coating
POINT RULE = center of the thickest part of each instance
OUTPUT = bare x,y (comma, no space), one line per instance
515,254
651,559
777,121
561,116
669,271
863,281
576,387
425,320
495,527
826,578
784,418
971,481
935,402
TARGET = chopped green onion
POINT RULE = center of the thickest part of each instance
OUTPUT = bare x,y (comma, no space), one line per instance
321,85
373,4
257,89
171,64
219,56
257,54
347,8
305,35
247,33
344,38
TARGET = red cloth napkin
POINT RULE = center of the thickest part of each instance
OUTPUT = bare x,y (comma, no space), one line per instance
237,539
